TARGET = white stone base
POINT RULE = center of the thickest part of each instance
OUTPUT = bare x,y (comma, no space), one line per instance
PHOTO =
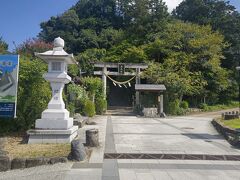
54,124
37,136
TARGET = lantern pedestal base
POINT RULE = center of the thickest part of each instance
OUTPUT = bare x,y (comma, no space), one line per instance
54,119
40,136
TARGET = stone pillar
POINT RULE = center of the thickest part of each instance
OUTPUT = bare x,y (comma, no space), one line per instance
57,101
138,82
104,81
161,104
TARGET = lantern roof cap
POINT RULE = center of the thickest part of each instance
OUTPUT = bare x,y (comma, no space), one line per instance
57,53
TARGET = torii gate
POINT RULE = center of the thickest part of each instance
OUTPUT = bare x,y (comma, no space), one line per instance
121,72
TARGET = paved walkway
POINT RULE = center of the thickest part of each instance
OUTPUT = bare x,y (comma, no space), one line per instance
179,135
213,114
130,134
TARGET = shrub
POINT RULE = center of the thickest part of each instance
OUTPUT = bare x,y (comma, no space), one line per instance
34,93
71,108
175,109
100,105
93,86
184,105
76,92
203,106
89,108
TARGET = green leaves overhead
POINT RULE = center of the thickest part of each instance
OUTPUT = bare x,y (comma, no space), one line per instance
186,58
221,16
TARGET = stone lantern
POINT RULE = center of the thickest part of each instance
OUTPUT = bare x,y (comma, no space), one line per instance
55,125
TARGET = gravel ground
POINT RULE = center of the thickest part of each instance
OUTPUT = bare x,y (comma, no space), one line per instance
57,171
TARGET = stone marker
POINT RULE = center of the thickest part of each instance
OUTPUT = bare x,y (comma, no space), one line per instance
78,151
92,138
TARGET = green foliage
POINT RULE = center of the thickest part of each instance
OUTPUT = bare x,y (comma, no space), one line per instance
89,108
94,86
233,123
222,17
73,70
30,46
77,97
203,106
184,104
71,108
174,108
33,92
89,56
134,55
189,58
3,46
216,107
100,105
110,37
77,92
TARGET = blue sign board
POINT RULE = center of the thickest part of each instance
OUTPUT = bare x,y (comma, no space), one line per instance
9,65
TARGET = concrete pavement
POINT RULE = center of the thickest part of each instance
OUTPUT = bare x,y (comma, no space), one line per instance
130,134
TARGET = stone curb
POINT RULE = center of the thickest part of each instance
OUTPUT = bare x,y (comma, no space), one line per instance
231,135
20,163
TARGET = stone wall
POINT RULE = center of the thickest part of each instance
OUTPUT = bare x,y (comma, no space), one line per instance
231,135
230,115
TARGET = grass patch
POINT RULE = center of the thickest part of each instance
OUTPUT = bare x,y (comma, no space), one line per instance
217,107
234,123
16,148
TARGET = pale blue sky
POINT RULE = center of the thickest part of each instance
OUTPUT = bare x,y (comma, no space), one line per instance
20,19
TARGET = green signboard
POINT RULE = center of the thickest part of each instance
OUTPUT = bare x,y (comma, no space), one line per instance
8,85
121,68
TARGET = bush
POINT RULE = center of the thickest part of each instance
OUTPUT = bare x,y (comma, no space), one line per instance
34,93
175,109
100,105
203,106
184,105
89,108
93,86
71,108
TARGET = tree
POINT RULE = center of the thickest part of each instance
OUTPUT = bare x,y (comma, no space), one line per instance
30,46
190,60
33,92
110,37
103,23
89,56
134,55
221,16
3,46
143,17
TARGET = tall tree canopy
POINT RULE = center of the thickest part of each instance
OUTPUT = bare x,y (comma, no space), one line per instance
221,16
193,56
99,23
187,60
